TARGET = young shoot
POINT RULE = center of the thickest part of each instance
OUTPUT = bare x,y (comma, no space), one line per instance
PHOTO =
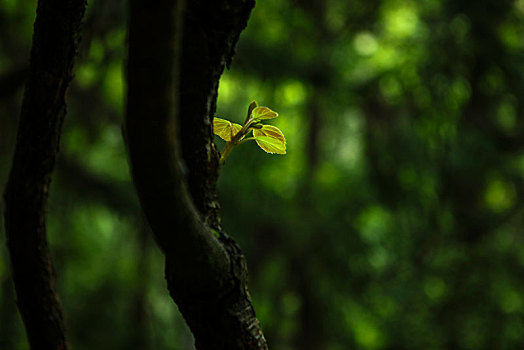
268,137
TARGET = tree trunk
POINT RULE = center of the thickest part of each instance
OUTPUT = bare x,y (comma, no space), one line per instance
55,40
170,104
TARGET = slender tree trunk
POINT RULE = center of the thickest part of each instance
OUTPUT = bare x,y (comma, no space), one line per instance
205,269
55,40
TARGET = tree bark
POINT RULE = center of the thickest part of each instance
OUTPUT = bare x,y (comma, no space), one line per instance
205,269
55,41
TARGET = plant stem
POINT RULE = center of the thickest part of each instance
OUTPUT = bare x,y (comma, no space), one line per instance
237,140
245,140
225,152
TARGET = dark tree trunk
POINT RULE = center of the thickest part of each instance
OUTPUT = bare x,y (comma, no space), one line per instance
55,40
210,32
172,89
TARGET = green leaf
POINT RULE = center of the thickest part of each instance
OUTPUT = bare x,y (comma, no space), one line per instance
225,129
261,113
270,139
236,128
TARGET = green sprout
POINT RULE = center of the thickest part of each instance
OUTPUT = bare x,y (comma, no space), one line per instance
268,137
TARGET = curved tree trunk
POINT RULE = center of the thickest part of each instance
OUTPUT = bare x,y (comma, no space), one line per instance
55,40
172,83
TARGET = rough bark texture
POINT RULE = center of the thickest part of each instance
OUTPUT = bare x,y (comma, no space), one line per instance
211,30
55,39
206,273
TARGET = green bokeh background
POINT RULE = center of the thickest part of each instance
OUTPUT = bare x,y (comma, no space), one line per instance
395,221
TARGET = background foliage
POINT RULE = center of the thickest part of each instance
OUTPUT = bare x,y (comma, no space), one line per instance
394,221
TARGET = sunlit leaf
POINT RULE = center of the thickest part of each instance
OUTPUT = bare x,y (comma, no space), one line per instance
222,128
270,139
236,128
271,145
261,113
271,131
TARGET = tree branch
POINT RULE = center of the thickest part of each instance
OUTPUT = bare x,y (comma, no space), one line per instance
207,276
151,141
210,33
55,41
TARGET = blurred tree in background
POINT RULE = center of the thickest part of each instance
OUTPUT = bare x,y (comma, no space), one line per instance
395,220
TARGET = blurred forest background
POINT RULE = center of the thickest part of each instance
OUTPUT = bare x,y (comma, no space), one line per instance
395,221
